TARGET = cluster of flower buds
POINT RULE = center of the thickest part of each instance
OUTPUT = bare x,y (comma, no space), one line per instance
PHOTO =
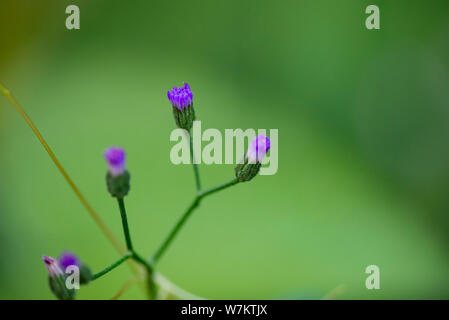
117,177
250,166
57,277
182,101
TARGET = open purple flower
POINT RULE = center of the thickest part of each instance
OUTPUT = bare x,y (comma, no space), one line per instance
67,259
258,148
181,97
53,267
116,160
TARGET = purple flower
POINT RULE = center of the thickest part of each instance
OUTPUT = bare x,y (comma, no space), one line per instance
258,148
53,267
181,97
116,160
67,259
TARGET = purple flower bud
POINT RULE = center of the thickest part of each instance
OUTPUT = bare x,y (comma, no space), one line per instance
250,167
57,280
67,259
181,97
53,267
117,178
258,148
116,160
182,102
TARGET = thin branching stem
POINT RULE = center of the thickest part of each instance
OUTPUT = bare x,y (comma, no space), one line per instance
112,266
133,254
196,201
137,257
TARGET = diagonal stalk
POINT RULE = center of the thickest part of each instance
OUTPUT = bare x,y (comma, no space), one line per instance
61,169
195,203
112,266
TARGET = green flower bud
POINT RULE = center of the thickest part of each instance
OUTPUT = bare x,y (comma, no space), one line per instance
118,186
246,171
184,118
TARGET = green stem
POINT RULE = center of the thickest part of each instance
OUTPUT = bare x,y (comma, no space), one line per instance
121,205
196,201
195,166
133,254
112,266
142,261
222,186
150,279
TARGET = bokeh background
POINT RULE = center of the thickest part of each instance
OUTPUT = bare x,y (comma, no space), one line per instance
363,119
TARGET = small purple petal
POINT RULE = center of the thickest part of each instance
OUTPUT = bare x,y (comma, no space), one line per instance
258,148
68,259
116,160
181,97
52,265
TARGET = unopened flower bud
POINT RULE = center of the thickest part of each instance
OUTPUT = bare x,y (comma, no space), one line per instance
252,162
182,101
117,178
57,280
67,259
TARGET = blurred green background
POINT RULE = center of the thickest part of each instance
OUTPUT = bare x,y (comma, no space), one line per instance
363,119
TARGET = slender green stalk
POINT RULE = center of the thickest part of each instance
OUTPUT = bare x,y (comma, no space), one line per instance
195,166
134,255
129,244
174,231
121,205
222,186
112,266
196,201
